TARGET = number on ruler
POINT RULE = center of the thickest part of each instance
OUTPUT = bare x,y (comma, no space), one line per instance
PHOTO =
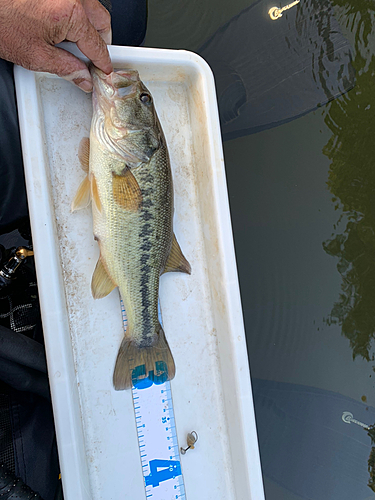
162,470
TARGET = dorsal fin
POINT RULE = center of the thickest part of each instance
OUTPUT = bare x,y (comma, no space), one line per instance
176,261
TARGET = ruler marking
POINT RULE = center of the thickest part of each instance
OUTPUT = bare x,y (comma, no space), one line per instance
159,451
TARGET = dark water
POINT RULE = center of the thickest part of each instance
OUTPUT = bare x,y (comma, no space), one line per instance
302,198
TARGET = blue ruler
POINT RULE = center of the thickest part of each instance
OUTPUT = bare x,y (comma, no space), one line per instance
157,437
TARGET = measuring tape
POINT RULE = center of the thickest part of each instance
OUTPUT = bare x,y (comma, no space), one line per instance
157,437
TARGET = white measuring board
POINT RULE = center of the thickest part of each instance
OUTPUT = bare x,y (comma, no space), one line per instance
157,437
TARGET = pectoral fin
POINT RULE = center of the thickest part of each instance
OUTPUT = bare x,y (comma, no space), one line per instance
176,260
101,284
82,198
84,153
126,191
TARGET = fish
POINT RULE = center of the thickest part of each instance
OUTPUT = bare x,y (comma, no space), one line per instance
130,187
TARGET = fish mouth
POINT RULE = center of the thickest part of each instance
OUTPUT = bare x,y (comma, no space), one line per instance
114,84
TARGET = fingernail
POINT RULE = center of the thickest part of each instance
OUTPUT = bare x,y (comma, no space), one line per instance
107,37
85,85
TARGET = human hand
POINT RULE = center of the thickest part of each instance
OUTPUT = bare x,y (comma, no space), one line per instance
30,29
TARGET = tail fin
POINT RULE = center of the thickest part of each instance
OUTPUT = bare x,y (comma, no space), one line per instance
138,363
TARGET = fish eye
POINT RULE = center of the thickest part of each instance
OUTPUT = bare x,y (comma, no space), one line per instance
145,98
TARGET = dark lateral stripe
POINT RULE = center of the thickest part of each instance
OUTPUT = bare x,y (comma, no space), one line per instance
146,230
146,247
147,216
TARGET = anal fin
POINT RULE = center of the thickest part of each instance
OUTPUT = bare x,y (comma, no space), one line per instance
101,283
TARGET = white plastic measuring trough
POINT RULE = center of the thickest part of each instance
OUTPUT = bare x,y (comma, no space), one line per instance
202,314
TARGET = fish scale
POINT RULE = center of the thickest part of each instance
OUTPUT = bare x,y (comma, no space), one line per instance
157,436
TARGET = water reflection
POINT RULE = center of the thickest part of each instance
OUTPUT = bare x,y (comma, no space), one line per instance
351,150
314,442
269,72
371,460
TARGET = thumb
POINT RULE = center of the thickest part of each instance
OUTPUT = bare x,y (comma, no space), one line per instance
62,63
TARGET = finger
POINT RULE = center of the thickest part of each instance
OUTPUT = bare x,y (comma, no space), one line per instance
107,37
62,63
93,46
83,33
99,17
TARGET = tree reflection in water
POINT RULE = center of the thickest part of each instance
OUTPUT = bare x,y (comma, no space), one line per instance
351,150
351,180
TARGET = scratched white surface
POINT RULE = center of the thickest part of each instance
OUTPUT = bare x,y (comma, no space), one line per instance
204,329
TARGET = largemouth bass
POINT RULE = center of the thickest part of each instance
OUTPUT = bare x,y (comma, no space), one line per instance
129,182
